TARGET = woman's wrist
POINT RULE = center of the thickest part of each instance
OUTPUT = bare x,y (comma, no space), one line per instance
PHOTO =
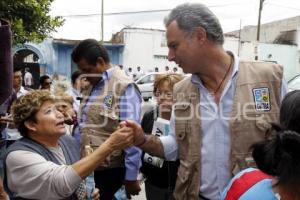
108,147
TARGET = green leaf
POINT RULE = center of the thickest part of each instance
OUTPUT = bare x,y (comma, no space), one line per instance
30,19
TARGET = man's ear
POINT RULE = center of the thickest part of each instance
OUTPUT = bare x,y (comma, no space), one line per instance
30,125
101,61
100,64
200,34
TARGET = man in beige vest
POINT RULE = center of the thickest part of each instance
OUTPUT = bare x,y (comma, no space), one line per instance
112,97
220,110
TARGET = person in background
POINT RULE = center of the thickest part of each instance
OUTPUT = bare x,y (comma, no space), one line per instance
156,69
64,104
223,108
75,90
160,181
121,67
28,79
112,97
84,83
45,82
139,73
17,82
175,70
130,73
79,84
167,69
11,133
134,77
277,159
45,163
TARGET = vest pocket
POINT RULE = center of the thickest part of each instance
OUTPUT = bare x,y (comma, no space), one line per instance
111,121
182,140
184,111
100,117
183,178
96,138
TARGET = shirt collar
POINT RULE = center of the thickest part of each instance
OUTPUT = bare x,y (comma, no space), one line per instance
236,64
75,91
106,75
22,90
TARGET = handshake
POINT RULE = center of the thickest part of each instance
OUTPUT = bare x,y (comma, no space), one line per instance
128,133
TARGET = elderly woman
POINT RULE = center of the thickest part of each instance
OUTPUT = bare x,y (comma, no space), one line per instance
45,163
160,181
64,103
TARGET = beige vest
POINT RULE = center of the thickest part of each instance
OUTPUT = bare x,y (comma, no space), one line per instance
103,117
248,123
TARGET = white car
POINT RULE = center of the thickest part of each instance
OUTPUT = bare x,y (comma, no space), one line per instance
145,84
294,83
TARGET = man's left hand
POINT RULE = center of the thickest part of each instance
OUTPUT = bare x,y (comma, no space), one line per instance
132,187
6,119
96,194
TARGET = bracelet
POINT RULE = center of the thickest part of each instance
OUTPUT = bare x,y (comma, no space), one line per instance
142,143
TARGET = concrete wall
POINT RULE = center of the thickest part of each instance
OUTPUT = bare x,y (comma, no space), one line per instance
55,56
146,48
268,31
232,44
285,55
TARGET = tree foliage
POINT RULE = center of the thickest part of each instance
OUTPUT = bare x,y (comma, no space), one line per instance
30,19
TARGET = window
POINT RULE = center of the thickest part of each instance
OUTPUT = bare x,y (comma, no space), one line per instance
161,57
163,42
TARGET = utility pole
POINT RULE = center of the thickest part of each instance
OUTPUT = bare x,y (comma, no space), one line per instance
102,20
240,39
261,2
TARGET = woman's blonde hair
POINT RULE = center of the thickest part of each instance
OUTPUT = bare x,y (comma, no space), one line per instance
26,107
171,78
62,96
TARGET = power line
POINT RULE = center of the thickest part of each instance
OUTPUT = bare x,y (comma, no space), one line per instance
117,13
282,6
139,12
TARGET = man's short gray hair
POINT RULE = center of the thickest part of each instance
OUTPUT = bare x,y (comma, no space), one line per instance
192,15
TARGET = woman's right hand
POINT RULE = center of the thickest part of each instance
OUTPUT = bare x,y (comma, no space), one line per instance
121,138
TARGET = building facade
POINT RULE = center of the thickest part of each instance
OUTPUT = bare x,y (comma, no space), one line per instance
146,48
53,57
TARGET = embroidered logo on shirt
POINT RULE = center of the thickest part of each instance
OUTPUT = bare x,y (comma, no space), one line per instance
262,99
108,100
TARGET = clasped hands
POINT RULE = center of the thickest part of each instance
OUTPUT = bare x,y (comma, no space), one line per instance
127,134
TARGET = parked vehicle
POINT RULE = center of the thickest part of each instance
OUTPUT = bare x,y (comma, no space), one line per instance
294,83
145,84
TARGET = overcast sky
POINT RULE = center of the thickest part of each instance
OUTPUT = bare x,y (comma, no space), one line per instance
83,19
